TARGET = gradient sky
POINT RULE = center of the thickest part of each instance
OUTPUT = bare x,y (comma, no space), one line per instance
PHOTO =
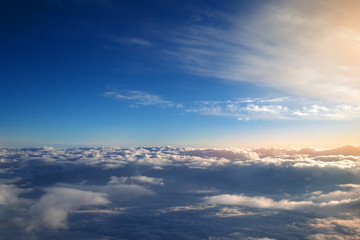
167,72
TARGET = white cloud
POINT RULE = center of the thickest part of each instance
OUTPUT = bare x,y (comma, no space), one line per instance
117,190
139,98
348,194
316,201
111,211
285,108
347,157
305,48
51,211
198,207
350,228
236,212
139,179
9,195
256,202
311,183
278,108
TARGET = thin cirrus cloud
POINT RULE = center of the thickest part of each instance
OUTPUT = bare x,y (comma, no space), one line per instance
131,41
285,108
305,48
139,98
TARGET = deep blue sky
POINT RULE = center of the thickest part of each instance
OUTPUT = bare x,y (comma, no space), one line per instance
160,73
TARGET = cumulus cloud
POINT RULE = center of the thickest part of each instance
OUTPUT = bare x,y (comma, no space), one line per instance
9,195
112,192
52,209
346,157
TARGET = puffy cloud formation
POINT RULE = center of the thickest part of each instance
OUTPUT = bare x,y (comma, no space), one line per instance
183,193
113,157
9,195
52,209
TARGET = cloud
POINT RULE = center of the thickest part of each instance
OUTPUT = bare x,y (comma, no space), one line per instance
308,48
329,228
123,192
277,108
51,211
9,195
137,41
256,202
236,212
198,207
250,108
139,98
347,157
332,200
346,195
167,192
139,179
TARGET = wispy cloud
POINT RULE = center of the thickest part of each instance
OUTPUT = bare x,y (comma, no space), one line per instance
130,41
138,41
278,108
139,98
285,108
306,48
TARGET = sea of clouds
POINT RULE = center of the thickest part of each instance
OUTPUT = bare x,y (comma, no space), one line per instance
179,193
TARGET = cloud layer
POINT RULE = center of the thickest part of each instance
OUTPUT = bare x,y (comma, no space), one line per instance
187,193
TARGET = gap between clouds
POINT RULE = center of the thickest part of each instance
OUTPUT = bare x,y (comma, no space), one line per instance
285,108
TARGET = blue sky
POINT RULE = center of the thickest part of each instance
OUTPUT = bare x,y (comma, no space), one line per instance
198,73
